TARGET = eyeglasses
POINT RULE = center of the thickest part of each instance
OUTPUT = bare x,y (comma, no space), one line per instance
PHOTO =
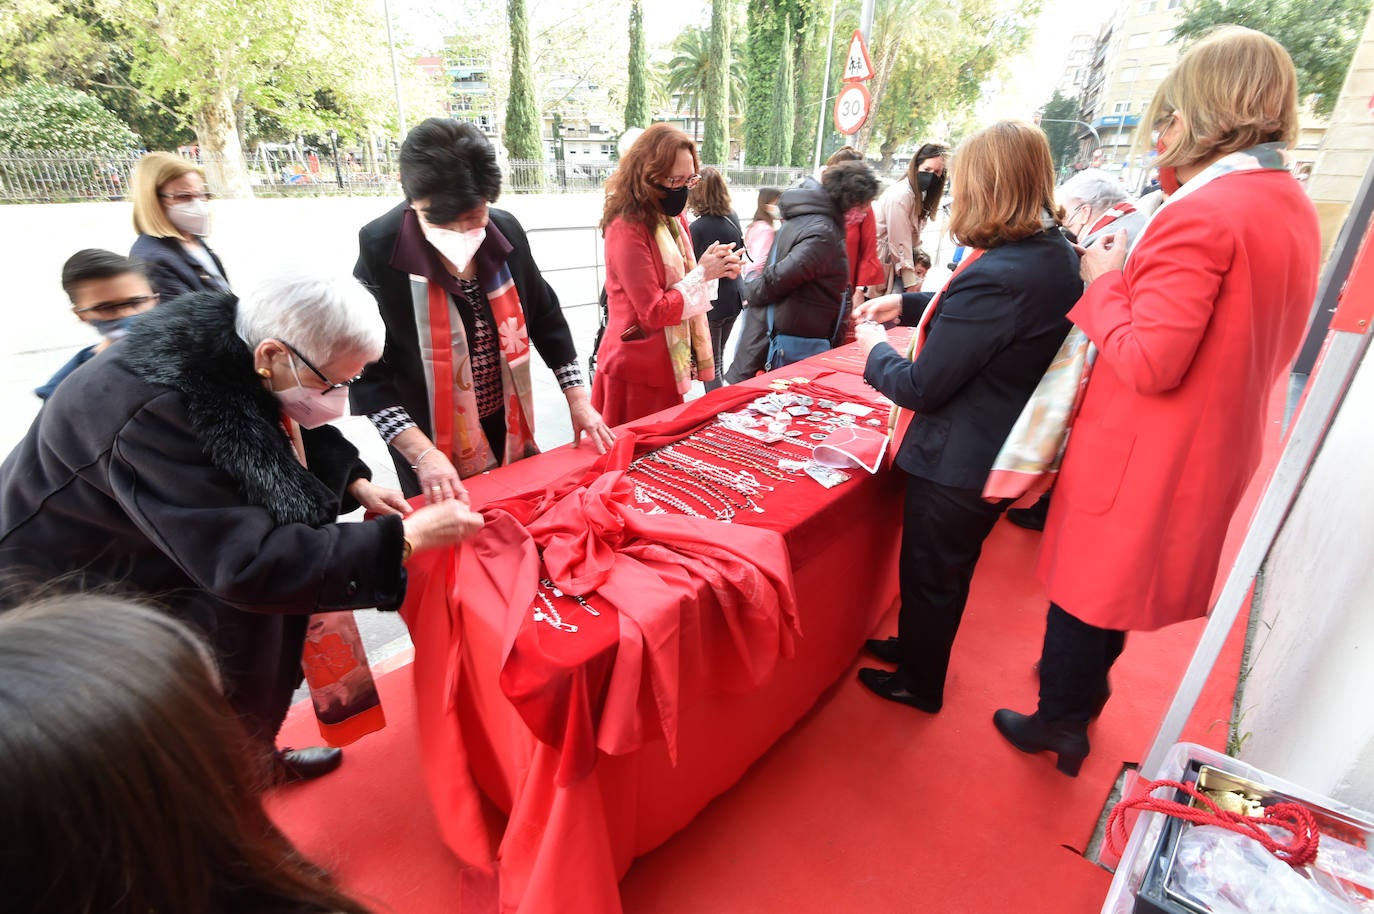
678,183
187,198
110,307
329,385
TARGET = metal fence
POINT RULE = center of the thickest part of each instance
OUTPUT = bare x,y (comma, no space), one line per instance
67,177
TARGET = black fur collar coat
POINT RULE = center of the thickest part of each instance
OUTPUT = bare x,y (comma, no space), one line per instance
160,468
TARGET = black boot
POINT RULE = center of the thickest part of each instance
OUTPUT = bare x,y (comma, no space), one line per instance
885,649
1032,518
1030,733
292,765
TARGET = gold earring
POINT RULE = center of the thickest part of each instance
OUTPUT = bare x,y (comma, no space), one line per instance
265,372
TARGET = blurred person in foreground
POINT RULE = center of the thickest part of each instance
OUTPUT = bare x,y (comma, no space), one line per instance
108,292
172,218
903,211
1195,330
129,786
716,222
994,331
463,302
192,464
658,292
807,273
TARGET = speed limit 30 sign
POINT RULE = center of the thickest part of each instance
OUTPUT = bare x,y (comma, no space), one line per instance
851,108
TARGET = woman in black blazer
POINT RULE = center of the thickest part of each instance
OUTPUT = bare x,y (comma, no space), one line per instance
998,324
172,218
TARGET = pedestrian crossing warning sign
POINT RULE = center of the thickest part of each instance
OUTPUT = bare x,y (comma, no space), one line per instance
857,65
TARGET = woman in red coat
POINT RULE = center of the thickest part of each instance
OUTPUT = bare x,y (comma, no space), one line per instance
657,339
1193,334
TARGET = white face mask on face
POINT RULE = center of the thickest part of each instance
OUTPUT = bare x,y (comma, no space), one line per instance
192,217
312,408
457,247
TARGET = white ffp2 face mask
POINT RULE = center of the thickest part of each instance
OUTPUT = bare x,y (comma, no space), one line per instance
457,247
312,408
192,217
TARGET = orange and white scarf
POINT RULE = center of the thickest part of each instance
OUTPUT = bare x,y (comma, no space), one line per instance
689,342
448,374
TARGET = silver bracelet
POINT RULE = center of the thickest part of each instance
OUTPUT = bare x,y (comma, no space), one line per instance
423,455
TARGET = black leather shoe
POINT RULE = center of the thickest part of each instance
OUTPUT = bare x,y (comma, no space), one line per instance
889,685
1026,518
1029,733
304,764
885,649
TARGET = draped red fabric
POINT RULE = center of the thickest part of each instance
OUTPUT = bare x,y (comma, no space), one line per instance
683,602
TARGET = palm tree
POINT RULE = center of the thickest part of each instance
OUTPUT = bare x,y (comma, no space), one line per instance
689,70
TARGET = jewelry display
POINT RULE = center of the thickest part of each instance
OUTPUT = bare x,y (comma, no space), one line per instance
550,615
725,512
558,593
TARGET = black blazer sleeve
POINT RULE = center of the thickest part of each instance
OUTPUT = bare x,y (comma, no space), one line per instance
377,389
913,306
544,320
975,321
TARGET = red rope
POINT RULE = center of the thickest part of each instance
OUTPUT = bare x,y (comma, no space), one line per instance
1291,817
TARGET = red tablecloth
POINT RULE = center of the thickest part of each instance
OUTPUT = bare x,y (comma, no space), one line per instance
713,640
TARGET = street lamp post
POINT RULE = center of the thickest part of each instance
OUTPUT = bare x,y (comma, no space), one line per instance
334,151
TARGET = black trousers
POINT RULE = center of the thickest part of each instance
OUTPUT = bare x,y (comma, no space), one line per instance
1074,664
720,335
751,352
942,537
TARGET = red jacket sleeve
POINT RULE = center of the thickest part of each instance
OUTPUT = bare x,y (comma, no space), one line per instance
634,268
1149,319
868,271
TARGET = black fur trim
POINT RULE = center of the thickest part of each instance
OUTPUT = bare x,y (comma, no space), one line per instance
189,345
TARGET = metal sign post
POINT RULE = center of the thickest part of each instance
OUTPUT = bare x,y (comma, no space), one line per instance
1345,348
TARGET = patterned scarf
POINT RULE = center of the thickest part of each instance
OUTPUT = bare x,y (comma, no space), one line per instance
1030,458
448,374
689,343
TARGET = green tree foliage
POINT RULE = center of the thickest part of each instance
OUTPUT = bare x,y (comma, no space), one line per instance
690,69
57,119
1055,120
65,43
715,142
637,93
1319,34
522,112
772,26
935,71
782,123
303,66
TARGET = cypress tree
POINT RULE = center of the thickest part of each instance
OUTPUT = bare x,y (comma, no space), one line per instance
522,112
715,142
782,120
637,94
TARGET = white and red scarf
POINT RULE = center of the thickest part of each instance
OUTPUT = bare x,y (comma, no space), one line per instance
448,374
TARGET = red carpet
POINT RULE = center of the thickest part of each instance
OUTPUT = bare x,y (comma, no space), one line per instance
865,806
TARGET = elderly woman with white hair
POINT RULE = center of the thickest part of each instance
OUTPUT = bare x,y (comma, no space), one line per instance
191,463
1097,206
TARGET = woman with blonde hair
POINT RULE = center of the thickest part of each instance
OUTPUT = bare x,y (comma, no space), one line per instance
172,218
658,293
992,333
1194,330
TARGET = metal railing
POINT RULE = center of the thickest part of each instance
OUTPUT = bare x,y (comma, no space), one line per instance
66,177
553,265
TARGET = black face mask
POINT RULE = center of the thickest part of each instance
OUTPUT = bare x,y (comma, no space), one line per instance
925,179
672,200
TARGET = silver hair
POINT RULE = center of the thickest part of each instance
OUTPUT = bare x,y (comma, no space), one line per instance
1094,187
323,315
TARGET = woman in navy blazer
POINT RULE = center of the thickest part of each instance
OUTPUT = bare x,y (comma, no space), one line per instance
997,327
172,218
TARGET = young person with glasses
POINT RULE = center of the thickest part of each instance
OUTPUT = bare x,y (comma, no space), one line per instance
172,218
107,291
